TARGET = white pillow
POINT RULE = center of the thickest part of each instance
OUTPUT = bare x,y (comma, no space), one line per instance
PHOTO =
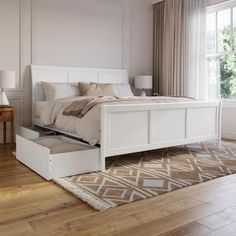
75,89
54,91
123,90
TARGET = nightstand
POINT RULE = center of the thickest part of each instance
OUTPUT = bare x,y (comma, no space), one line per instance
7,115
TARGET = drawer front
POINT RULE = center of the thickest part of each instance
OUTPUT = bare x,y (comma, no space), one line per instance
5,116
36,157
75,163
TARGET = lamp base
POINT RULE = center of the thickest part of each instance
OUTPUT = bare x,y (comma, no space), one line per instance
3,99
143,94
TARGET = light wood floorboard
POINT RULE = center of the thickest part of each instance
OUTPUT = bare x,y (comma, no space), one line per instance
29,205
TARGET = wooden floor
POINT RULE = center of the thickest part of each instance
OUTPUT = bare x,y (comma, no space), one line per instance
31,206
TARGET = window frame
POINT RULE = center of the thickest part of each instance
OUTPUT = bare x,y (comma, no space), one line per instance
215,9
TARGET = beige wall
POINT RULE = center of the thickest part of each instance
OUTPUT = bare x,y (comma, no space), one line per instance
87,33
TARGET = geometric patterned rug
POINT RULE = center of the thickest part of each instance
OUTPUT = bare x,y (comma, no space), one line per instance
144,175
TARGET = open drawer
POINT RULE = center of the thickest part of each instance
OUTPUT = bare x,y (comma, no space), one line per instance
56,156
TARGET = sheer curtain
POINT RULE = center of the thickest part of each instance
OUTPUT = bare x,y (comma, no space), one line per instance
193,56
172,82
184,49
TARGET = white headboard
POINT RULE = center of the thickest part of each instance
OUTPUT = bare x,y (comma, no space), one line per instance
71,75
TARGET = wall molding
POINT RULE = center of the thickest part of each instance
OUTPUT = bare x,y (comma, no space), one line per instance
20,46
148,9
26,30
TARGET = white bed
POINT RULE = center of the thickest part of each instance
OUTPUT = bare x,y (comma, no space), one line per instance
126,128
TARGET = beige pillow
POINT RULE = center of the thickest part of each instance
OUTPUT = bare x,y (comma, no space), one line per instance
94,89
55,91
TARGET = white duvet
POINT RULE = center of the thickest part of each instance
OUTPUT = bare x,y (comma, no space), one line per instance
88,127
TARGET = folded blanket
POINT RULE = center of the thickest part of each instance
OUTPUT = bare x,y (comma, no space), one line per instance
80,108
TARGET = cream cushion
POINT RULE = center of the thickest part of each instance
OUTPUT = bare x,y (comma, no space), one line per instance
55,91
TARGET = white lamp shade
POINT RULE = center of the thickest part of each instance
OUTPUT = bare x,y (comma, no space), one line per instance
143,82
7,79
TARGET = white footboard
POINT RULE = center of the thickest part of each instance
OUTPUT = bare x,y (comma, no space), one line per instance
133,128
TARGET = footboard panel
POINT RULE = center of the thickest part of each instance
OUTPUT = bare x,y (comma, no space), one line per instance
133,128
125,130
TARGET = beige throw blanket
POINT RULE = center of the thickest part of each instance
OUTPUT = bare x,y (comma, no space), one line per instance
80,108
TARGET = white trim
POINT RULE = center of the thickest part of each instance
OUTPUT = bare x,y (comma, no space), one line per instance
221,6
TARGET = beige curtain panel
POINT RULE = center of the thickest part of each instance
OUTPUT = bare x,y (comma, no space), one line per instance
172,81
158,32
179,48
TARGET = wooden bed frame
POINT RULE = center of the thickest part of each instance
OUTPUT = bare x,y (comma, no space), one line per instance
140,127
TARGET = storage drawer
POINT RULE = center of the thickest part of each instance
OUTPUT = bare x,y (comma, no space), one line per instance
5,116
69,158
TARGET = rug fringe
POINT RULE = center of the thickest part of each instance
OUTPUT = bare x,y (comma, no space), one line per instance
96,204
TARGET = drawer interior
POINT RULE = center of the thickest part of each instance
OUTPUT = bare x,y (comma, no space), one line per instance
61,144
34,132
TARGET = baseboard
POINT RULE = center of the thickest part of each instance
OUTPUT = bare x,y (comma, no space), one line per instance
229,136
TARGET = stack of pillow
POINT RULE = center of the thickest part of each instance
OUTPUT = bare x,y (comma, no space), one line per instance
55,91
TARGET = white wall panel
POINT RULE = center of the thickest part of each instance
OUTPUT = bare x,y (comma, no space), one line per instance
90,33
141,40
78,33
10,36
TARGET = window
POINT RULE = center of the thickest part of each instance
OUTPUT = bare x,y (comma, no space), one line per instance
221,51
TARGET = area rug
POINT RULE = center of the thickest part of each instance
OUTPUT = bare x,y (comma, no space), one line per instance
144,175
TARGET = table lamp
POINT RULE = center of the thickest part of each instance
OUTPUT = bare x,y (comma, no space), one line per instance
143,82
7,80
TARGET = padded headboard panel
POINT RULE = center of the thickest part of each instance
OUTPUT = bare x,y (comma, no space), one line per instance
72,75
